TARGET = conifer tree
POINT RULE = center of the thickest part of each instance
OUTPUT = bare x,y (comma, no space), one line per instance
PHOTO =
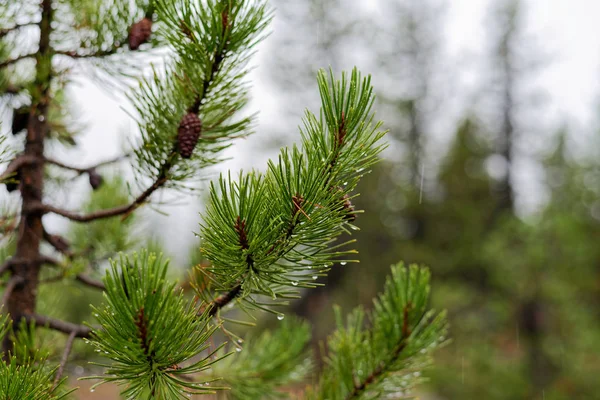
263,235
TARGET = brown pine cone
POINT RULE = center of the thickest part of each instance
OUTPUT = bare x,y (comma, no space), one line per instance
188,134
139,33
95,179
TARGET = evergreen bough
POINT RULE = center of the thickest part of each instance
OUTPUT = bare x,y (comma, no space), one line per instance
264,236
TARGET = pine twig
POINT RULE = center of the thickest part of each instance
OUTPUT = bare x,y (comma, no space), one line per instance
85,170
107,213
16,164
80,331
6,31
64,359
86,280
16,59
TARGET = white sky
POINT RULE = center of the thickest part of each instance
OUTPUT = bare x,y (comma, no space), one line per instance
566,30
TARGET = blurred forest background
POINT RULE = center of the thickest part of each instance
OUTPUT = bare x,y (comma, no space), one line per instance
497,196
482,182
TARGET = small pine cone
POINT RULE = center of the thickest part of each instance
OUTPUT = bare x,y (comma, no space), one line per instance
139,33
188,134
95,179
20,119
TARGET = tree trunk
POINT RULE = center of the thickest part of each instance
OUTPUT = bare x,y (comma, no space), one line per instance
27,261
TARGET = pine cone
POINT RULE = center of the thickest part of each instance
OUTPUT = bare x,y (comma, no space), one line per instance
20,119
188,134
139,33
95,179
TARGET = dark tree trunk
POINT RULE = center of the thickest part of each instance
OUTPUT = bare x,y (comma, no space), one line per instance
27,261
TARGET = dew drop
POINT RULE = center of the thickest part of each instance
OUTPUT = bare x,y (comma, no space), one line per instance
343,262
280,316
315,277
92,390
207,384
310,267
295,283
238,349
96,315
240,341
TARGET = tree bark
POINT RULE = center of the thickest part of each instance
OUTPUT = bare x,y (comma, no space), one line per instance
26,267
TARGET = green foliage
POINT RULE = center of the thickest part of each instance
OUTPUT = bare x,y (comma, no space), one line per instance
148,331
387,357
264,363
105,237
27,382
212,42
27,378
273,233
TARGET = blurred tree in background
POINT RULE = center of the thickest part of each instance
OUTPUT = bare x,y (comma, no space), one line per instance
521,288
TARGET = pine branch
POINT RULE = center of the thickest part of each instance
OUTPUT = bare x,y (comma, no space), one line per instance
107,213
6,31
272,234
85,170
16,164
11,61
81,331
86,280
387,356
64,359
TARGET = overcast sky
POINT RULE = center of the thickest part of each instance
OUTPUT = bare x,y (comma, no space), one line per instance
567,31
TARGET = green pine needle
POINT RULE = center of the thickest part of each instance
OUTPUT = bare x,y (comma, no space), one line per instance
388,357
261,365
150,332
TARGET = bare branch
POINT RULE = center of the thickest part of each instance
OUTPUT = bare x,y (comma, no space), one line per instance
97,54
63,360
6,31
81,171
80,331
86,280
15,164
14,60
110,212
59,243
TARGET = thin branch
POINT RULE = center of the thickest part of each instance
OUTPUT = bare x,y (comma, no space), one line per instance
14,60
16,164
63,360
80,170
110,212
86,280
80,331
97,54
6,31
